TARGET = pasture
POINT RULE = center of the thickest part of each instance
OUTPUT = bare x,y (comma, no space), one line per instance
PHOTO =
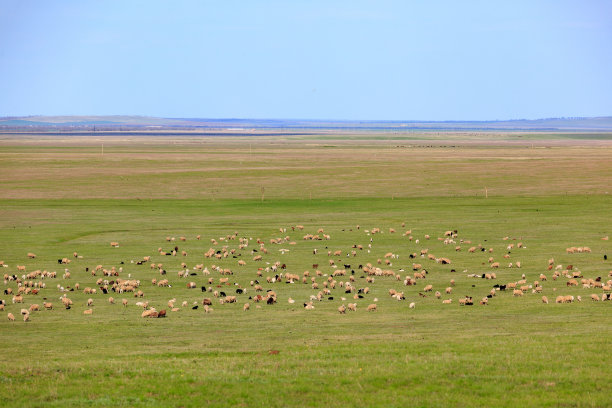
547,192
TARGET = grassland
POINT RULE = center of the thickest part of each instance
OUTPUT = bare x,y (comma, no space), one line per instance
64,195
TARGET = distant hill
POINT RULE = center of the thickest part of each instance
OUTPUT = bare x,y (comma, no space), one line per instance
67,123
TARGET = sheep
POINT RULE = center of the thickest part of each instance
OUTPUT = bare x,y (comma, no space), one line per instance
34,308
595,297
428,288
11,317
352,307
517,292
545,300
447,301
89,302
372,307
88,311
438,295
246,307
48,305
26,317
449,290
342,309
412,305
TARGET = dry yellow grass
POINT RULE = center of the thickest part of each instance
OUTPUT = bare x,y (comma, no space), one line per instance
215,167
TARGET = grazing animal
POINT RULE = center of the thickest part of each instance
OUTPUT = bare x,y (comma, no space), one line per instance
11,317
372,307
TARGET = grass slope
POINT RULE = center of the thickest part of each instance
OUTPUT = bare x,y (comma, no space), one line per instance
512,352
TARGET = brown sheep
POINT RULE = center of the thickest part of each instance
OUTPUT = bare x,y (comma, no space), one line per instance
447,301
545,300
372,307
246,307
88,311
352,307
34,308
428,288
11,317
48,305
595,297
342,309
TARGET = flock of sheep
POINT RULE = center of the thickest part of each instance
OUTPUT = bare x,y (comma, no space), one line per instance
254,272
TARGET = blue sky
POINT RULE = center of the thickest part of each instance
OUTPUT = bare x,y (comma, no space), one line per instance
402,60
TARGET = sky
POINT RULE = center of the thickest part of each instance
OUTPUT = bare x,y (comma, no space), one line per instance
343,60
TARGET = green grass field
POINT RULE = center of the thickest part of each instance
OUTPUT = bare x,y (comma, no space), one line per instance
62,196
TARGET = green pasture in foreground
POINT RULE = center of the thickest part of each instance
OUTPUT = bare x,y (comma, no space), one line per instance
513,352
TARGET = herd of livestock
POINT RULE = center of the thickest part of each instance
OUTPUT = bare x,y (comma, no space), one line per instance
223,271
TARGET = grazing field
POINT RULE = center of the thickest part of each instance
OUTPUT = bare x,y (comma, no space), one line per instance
66,195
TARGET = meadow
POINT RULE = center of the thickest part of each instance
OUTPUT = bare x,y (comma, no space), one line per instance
62,195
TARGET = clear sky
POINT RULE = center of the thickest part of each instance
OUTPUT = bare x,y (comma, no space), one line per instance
404,60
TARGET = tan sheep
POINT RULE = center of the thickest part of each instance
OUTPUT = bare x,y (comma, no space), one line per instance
88,311
11,317
447,301
372,307
342,309
246,307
